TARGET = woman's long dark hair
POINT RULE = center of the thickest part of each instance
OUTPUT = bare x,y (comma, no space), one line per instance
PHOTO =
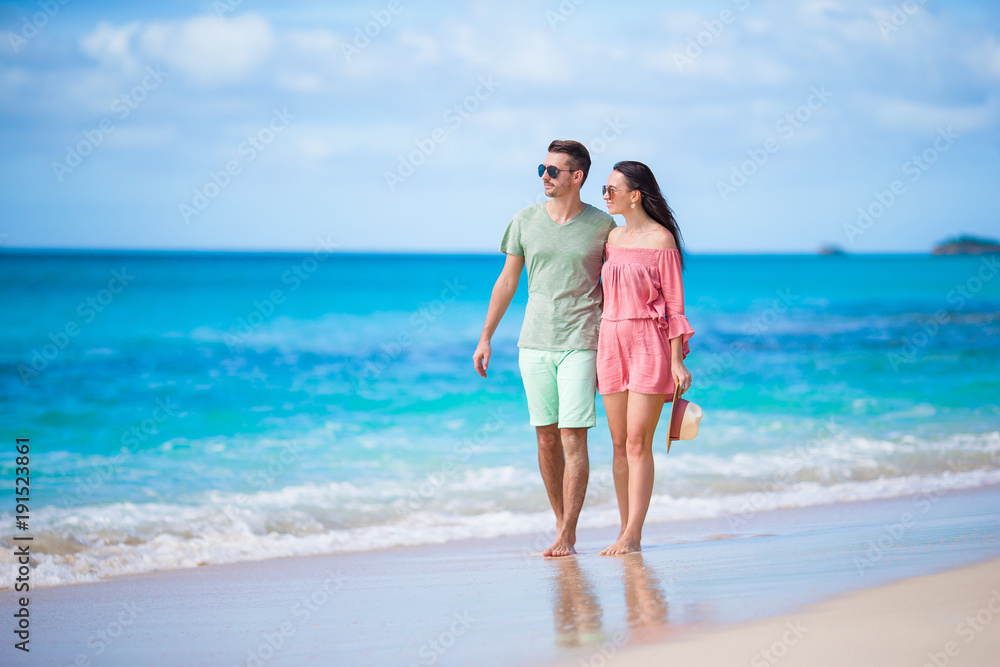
640,177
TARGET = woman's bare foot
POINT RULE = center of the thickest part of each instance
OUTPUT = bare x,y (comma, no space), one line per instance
624,545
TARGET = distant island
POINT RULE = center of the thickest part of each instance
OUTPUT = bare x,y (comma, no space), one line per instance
831,249
967,245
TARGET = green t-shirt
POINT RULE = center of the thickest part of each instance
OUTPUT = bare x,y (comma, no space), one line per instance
564,269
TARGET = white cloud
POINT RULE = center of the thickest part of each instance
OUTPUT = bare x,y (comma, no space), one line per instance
206,49
12,78
909,116
317,42
466,42
682,23
984,58
735,65
209,49
318,141
111,45
301,82
850,21
126,137
425,47
535,58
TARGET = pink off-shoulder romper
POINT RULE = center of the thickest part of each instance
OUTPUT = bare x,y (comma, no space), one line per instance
643,311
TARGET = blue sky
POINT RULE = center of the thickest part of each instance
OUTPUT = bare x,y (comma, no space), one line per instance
247,125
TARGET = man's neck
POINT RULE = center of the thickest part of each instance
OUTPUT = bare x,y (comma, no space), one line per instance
564,209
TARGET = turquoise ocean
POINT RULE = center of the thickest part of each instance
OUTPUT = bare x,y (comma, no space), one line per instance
195,408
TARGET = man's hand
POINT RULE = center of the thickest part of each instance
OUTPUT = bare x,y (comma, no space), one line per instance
481,359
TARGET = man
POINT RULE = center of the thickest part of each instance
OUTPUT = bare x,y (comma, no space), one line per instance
561,242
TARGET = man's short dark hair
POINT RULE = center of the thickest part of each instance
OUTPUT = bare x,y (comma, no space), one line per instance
579,156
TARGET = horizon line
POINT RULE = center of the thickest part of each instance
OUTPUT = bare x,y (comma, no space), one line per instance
362,251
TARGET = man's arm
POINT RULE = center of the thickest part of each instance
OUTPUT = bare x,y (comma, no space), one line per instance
503,293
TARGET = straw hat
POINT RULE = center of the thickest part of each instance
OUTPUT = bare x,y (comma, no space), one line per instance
685,417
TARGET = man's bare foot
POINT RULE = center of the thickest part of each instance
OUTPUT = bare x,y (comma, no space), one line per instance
563,546
557,550
622,546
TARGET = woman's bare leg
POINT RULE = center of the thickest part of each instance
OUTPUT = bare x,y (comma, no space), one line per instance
616,406
642,415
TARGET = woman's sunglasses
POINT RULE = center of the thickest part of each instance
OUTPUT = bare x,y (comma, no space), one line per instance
553,171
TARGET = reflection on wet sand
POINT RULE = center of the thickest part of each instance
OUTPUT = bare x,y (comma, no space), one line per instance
577,613
645,601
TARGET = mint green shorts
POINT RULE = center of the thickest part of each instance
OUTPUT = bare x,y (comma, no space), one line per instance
560,386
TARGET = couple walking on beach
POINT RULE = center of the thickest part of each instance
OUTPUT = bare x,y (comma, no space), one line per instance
633,353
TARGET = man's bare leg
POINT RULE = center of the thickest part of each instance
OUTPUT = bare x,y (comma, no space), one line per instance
576,473
551,463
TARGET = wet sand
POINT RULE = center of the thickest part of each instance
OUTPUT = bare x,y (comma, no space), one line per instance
950,618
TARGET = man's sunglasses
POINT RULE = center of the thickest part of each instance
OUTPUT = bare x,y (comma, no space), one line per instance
553,170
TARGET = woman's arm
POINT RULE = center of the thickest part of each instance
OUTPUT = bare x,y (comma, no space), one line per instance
682,377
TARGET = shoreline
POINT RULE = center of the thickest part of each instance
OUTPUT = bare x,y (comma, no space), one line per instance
730,522
496,601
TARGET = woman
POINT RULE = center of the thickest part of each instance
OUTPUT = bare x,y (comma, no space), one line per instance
644,336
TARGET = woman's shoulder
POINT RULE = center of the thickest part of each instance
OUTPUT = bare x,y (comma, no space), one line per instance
654,239
662,239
